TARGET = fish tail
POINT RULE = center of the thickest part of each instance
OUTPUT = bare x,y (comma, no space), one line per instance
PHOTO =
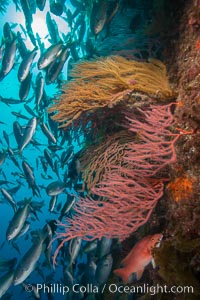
27,200
122,273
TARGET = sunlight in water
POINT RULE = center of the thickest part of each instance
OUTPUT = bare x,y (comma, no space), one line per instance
39,26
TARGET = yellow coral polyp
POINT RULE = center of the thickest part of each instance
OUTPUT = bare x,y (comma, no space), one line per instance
105,81
181,188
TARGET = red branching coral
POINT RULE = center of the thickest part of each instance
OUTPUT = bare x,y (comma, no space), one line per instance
155,146
130,191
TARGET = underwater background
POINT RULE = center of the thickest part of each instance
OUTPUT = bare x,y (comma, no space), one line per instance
99,148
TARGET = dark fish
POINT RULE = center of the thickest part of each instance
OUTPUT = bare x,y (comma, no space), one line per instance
17,222
52,29
82,31
58,208
28,134
40,44
48,158
68,278
74,52
89,274
56,168
47,177
41,4
8,59
67,206
103,269
77,4
69,18
6,137
17,130
21,45
90,246
23,30
98,16
112,11
18,175
44,164
13,158
16,2
48,241
9,101
25,87
66,156
2,182
27,10
65,177
16,247
30,111
3,174
29,260
57,7
39,88
19,115
49,55
74,248
3,155
56,188
78,22
5,282
56,66
104,246
25,65
30,178
8,34
37,205
31,34
3,6
55,148
15,189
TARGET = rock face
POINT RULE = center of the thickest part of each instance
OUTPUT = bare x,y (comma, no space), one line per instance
182,57
178,213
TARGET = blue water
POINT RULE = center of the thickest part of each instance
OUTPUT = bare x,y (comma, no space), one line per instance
9,88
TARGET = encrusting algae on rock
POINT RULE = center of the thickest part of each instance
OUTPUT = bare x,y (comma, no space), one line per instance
104,82
181,188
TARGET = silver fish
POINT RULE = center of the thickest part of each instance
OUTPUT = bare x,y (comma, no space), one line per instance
25,65
29,260
8,59
98,16
103,270
5,282
17,222
48,133
28,134
39,88
56,188
30,177
49,55
52,203
56,66
10,199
